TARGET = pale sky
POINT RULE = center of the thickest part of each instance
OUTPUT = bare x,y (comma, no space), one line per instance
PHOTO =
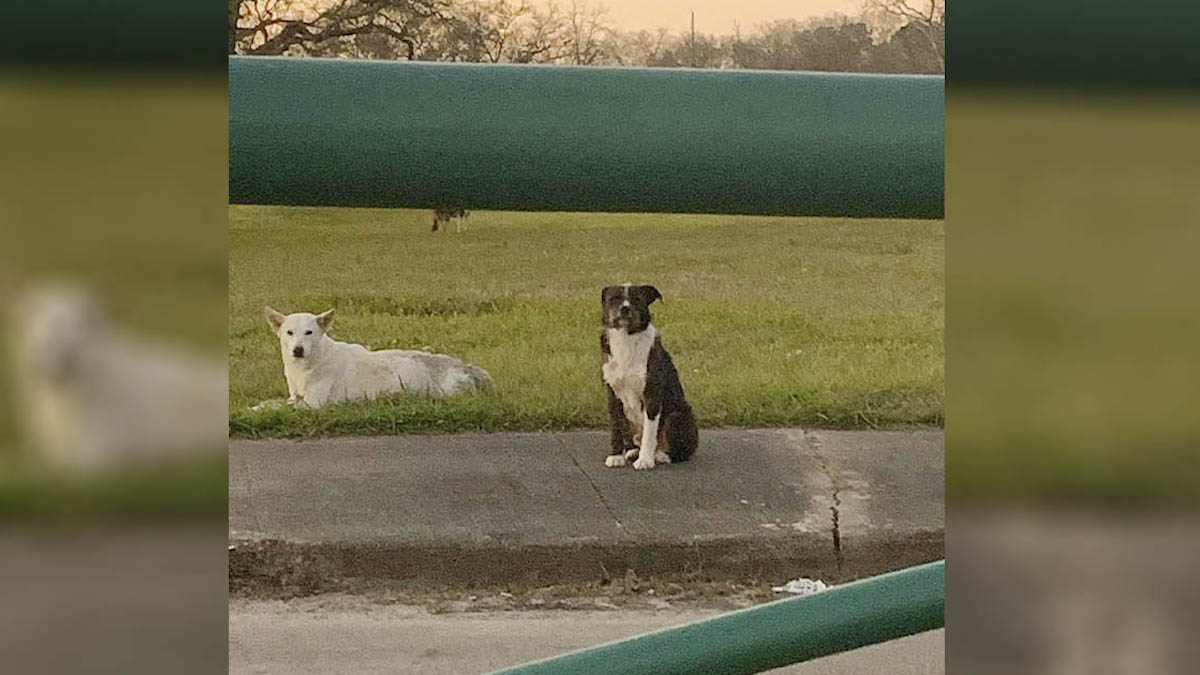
717,16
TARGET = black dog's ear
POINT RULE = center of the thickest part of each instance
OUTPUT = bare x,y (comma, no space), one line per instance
652,294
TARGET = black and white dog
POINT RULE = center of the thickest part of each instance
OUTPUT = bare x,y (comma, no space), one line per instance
651,420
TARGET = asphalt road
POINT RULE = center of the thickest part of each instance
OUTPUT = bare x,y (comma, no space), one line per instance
343,635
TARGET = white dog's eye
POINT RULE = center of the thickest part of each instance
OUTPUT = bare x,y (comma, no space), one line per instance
308,332
289,332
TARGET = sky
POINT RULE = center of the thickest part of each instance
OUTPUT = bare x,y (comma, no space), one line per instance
717,16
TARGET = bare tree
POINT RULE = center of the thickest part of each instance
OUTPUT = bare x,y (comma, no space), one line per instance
273,27
641,48
517,31
495,24
927,16
587,33
505,31
541,37
893,36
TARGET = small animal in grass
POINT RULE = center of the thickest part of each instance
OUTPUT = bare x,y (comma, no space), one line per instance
651,420
321,370
442,218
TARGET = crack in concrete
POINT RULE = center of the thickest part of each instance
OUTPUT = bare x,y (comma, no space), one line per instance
814,445
595,488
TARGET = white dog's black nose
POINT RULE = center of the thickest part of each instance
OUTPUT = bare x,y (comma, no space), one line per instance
298,352
624,310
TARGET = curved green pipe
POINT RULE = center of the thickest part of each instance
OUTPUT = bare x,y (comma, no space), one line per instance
776,634
340,132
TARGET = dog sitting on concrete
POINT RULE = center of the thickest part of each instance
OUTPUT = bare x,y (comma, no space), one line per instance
321,370
651,419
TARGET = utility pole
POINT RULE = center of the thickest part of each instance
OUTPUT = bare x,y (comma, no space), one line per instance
737,43
692,46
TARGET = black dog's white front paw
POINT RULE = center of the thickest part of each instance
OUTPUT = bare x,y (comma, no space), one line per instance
645,462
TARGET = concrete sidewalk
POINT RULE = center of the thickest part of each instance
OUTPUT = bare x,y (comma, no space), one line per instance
336,513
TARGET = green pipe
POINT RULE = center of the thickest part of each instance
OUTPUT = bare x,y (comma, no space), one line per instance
776,634
1080,43
126,34
339,132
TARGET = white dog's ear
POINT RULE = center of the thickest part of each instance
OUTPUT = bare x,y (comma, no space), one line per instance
274,318
325,318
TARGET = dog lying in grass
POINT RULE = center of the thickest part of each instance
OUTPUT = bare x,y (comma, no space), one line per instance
94,397
321,370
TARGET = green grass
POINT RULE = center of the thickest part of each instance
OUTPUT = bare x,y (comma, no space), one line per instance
771,321
188,491
1074,295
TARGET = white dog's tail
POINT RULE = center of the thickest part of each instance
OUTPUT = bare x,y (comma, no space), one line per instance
479,376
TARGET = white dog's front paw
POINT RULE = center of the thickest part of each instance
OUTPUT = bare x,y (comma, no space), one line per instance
644,461
614,461
270,404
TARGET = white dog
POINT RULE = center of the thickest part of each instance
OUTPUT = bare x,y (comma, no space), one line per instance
95,398
321,370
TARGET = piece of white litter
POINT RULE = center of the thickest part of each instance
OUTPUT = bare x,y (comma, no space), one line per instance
801,586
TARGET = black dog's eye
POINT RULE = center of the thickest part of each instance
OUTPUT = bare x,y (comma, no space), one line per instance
308,332
289,332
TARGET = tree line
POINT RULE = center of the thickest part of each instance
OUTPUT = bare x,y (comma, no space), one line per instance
889,36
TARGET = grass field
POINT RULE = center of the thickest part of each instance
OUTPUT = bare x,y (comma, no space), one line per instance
771,321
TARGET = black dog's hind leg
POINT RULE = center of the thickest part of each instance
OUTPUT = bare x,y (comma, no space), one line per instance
681,435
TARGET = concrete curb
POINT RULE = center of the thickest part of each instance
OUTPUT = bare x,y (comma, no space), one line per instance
356,514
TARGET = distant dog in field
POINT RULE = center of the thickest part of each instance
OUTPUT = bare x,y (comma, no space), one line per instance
321,370
651,420
94,397
444,216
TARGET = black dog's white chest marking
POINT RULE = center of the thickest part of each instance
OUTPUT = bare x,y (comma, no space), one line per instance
625,369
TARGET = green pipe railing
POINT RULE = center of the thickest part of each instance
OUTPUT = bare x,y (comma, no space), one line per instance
404,134
776,634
